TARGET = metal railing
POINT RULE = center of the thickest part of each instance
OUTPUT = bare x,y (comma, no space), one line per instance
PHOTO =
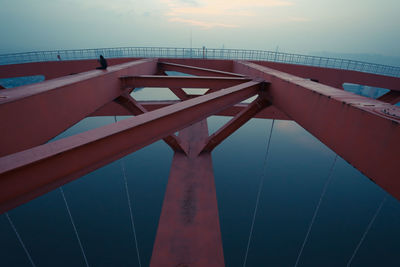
206,53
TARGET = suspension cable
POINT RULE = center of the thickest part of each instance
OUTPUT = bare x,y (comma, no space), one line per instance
129,205
366,231
260,185
20,239
317,209
73,224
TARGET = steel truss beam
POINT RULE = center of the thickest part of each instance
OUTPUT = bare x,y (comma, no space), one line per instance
33,172
112,109
363,131
235,123
391,97
181,81
135,108
188,232
164,66
180,93
56,69
335,77
33,114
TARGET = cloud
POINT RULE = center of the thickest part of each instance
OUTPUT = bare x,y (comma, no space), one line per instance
127,8
189,2
299,19
202,11
217,13
203,24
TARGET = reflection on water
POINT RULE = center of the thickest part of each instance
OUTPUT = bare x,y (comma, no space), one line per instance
296,170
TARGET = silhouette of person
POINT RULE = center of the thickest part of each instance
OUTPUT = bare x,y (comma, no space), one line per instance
103,63
59,58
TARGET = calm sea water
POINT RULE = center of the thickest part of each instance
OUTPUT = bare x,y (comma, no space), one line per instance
296,170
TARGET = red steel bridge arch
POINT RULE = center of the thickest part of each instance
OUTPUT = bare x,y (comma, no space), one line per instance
363,131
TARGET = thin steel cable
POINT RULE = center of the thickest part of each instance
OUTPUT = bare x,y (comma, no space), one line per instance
316,210
130,210
73,224
20,239
130,206
260,185
366,231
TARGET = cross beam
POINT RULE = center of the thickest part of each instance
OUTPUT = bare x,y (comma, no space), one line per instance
181,81
56,69
33,172
363,131
164,66
179,93
113,109
235,123
53,106
135,108
335,77
391,97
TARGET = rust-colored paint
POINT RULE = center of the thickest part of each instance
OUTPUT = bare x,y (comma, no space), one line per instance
33,172
33,114
235,123
214,64
181,81
335,77
198,71
135,108
188,232
111,109
391,97
56,69
179,93
363,131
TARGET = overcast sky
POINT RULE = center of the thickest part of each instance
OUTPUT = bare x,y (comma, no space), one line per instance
300,26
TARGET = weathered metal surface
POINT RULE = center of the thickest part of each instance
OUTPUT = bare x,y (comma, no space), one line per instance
112,109
181,81
391,97
33,172
335,77
353,126
135,108
179,93
235,123
365,132
188,232
130,104
198,71
211,64
56,69
33,114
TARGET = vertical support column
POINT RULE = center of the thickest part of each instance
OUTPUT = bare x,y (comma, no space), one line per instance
188,232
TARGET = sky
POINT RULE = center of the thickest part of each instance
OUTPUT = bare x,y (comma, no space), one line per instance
296,26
